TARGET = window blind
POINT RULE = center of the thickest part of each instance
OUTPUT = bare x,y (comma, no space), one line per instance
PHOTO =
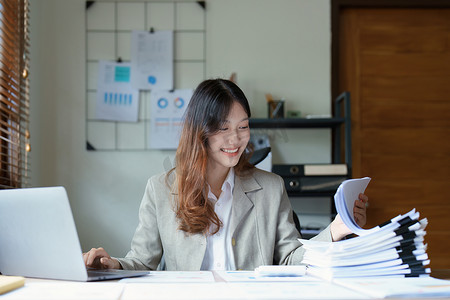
14,93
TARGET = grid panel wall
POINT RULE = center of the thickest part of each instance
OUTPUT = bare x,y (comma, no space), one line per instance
109,26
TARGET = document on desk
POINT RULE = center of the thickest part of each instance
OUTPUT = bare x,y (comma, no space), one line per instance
173,277
62,290
252,276
280,271
239,290
391,287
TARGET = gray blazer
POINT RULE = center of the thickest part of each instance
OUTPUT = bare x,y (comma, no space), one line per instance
262,227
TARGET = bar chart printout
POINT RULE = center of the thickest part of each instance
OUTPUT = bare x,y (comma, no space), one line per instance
116,99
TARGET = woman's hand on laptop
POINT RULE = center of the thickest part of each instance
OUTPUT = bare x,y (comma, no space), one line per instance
98,258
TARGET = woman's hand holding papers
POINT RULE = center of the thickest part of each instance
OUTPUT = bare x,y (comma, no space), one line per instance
359,210
98,258
339,230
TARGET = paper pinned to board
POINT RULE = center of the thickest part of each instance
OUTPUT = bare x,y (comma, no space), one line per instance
152,60
166,117
116,99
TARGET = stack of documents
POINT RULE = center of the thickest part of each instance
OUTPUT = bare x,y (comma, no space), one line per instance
394,248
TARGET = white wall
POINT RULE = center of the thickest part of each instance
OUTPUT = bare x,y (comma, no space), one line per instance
280,47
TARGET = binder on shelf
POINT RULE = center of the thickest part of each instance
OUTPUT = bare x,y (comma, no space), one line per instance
326,184
320,183
310,169
311,178
325,169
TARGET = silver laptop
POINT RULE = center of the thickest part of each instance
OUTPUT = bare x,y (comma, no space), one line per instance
38,237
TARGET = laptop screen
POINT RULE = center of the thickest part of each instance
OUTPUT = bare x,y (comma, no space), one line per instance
38,237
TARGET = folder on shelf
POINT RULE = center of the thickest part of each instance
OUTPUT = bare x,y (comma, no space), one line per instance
311,178
320,183
286,170
325,169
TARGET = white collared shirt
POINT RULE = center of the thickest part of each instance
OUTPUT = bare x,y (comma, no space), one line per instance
219,250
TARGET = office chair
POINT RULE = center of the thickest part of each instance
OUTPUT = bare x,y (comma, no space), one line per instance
162,264
259,155
296,221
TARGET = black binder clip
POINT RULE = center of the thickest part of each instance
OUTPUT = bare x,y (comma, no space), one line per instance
119,59
202,4
152,30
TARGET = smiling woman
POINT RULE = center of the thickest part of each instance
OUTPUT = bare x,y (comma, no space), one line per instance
214,210
214,138
14,98
226,146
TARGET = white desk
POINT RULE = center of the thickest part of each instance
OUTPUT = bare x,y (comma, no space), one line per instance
185,286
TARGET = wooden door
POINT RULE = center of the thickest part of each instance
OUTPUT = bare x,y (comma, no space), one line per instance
396,64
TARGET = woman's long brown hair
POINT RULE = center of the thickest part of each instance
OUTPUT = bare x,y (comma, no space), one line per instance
207,110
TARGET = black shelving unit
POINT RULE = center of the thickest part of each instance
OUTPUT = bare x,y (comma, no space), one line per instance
340,125
296,123
341,122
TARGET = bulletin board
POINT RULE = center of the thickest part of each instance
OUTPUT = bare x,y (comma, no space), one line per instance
109,26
